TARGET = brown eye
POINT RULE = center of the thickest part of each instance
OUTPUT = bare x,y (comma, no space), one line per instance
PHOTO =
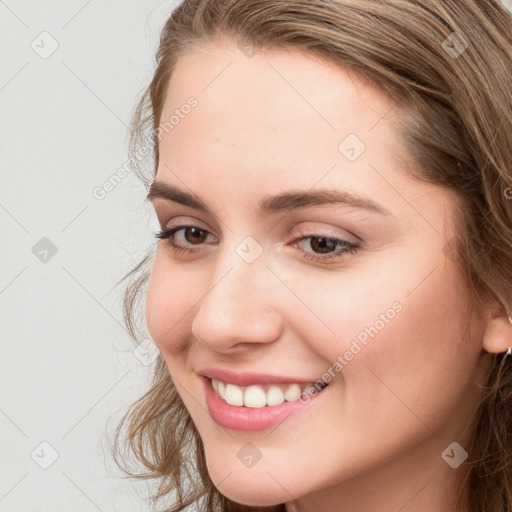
322,245
331,248
189,236
194,234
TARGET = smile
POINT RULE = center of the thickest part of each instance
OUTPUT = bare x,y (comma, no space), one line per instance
265,395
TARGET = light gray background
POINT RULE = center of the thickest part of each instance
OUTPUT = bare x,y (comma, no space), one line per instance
67,366
68,369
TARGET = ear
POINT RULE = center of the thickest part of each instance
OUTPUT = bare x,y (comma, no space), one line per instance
497,336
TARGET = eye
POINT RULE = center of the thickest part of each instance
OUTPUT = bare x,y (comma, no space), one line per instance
192,234
325,245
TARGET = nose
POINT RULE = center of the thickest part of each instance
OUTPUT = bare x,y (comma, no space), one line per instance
238,310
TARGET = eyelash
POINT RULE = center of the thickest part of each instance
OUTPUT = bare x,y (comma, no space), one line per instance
348,247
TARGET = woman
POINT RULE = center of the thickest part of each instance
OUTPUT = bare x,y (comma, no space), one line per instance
331,292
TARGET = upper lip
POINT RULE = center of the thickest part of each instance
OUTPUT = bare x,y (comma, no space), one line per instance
249,378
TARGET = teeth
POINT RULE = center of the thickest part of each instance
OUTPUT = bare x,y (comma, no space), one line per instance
292,393
256,397
275,396
234,395
221,388
309,389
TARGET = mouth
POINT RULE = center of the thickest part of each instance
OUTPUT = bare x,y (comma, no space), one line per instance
257,396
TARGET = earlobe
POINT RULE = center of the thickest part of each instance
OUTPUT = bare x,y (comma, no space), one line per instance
497,337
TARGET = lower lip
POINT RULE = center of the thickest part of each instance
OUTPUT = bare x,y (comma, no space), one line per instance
250,418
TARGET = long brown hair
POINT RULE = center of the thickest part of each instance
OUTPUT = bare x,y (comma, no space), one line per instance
449,63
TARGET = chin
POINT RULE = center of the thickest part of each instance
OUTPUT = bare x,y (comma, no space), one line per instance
247,486
254,496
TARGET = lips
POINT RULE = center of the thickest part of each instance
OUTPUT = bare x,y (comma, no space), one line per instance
250,378
256,416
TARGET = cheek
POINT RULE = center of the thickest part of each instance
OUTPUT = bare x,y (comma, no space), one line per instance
343,313
169,299
417,368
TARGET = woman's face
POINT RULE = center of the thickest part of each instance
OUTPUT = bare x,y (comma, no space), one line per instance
383,322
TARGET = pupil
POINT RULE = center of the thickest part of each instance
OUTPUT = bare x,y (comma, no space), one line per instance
196,235
323,243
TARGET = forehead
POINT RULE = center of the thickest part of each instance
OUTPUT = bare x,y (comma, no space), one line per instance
284,116
272,91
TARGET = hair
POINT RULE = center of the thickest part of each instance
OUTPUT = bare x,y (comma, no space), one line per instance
457,130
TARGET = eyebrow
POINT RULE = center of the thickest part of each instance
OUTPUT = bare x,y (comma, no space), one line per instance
285,201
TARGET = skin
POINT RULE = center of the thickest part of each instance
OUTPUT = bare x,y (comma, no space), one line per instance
373,439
